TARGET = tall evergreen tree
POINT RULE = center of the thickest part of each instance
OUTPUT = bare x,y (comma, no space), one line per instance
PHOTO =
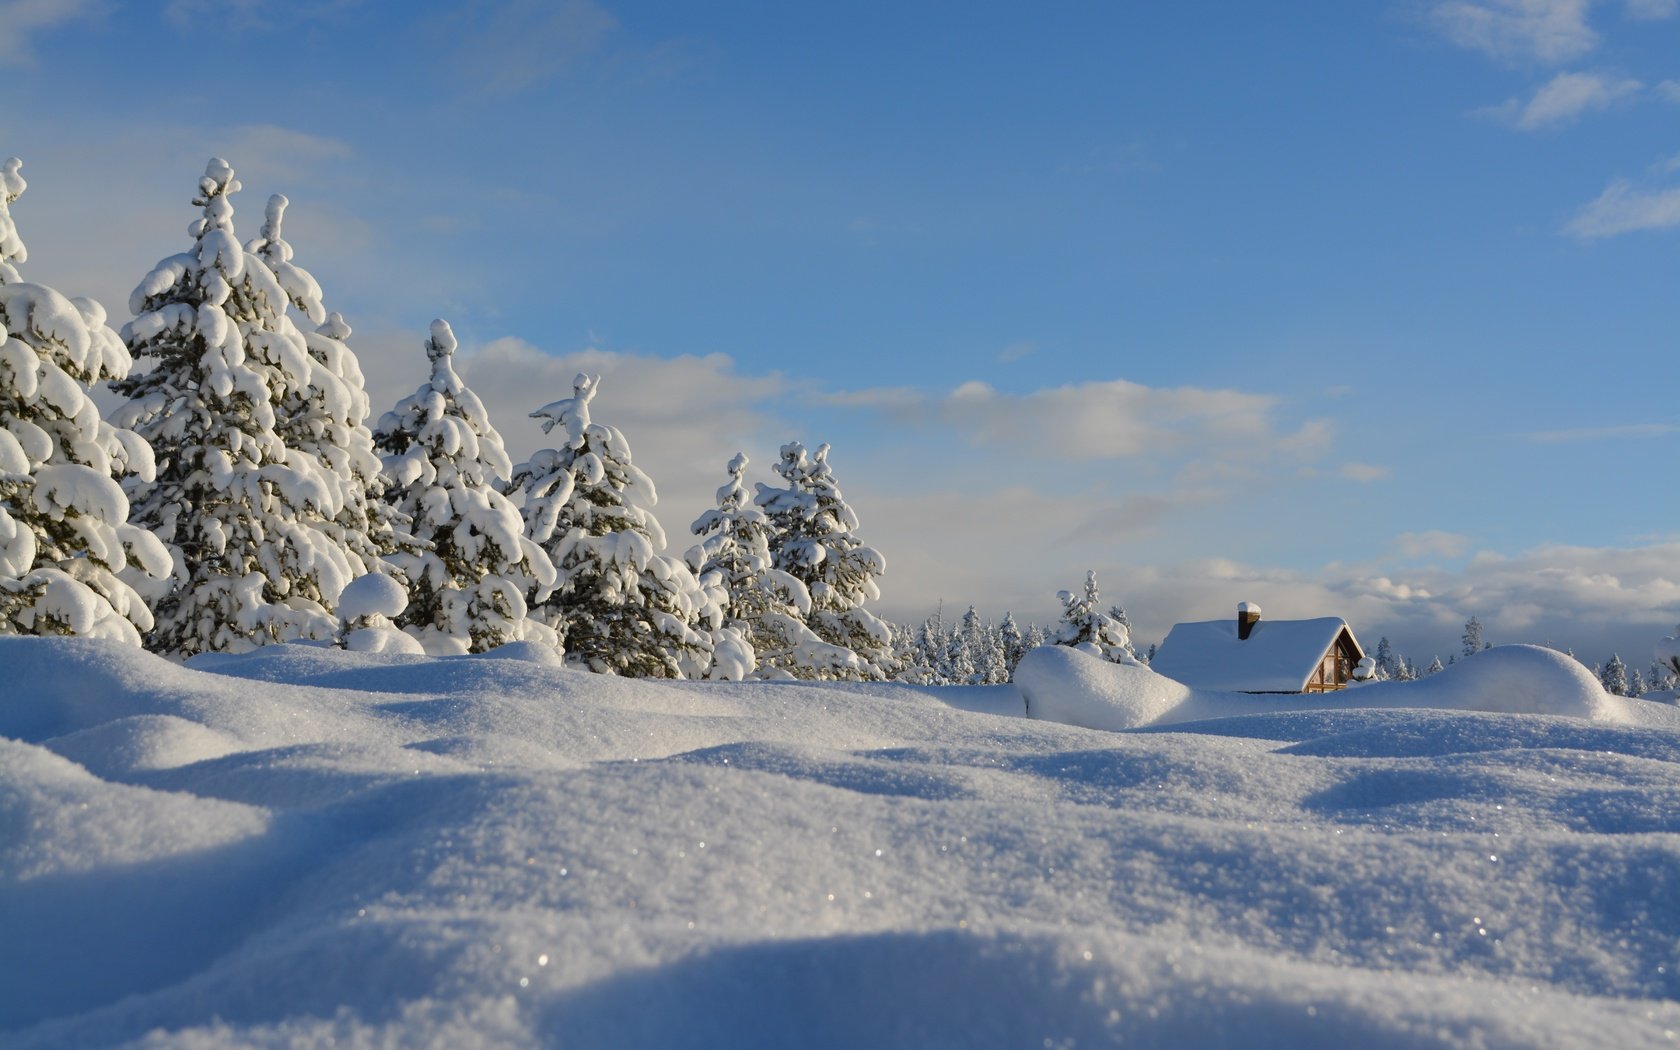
443,464
813,539
620,604
765,605
64,533
237,511
324,420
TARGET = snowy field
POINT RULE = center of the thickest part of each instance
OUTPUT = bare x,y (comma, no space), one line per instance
304,847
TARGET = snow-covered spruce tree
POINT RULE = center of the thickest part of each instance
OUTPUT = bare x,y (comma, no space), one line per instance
1014,644
324,421
64,532
474,567
1472,637
620,605
1086,627
237,510
765,605
1614,676
813,540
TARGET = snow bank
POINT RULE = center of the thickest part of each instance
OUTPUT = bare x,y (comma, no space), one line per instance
307,846
1063,685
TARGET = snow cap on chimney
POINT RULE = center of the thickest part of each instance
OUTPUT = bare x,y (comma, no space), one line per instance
1248,614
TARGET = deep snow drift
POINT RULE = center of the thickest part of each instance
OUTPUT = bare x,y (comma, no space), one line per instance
305,845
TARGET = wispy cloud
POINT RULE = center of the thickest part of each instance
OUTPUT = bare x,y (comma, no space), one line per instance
1108,420
1669,91
1565,98
1543,30
1364,473
1626,430
1626,206
1652,10
509,46
22,20
1431,543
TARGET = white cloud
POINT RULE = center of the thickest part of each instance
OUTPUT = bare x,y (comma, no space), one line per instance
1106,420
1669,91
23,19
1626,207
509,46
1546,30
1652,10
1625,430
1017,351
1565,98
1432,543
1364,473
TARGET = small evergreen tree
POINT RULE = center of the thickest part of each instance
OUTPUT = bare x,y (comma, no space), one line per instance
1636,683
1614,676
473,565
1014,644
813,540
236,509
1472,637
621,605
64,533
1084,626
1386,665
765,605
1434,667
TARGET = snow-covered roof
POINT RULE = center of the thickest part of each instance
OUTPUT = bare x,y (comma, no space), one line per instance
1279,656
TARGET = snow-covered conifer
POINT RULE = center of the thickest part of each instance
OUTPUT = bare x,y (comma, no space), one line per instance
1614,676
1472,637
1637,686
1434,667
235,507
64,532
621,605
323,421
1014,644
765,605
443,465
1085,626
813,540
1386,666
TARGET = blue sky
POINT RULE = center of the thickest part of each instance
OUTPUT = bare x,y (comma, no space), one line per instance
1357,309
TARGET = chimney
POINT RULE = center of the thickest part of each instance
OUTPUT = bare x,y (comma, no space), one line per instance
1248,614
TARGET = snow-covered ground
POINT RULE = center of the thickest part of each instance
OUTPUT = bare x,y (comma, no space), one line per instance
305,846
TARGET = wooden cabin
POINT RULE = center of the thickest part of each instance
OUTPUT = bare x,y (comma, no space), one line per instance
1251,655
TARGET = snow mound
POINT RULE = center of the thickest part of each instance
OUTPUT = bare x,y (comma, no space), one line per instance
372,594
1064,685
142,743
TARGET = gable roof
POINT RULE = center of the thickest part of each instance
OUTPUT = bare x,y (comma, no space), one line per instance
1279,656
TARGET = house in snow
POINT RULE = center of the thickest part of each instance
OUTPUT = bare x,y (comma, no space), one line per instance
1250,655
